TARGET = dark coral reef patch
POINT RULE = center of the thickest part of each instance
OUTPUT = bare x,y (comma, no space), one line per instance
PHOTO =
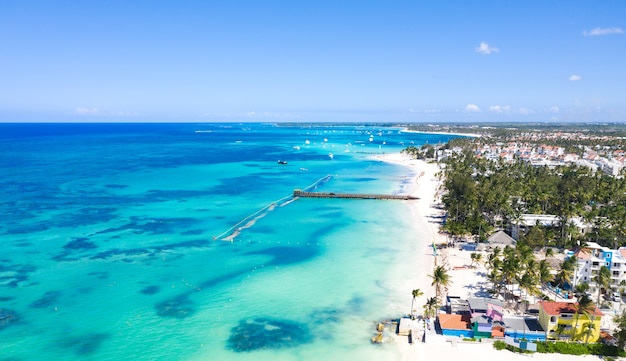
267,333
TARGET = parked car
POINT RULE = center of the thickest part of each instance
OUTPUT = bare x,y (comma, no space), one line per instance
616,297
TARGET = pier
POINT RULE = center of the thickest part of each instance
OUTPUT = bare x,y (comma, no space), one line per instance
303,194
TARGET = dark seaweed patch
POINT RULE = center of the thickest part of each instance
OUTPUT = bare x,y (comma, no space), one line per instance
267,333
179,307
153,226
150,251
23,229
150,290
75,246
85,344
7,318
325,316
23,244
80,244
356,304
6,299
15,274
48,299
86,216
287,255
99,275
176,194
192,232
116,186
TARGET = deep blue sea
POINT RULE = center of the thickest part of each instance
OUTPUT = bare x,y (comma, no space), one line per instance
182,241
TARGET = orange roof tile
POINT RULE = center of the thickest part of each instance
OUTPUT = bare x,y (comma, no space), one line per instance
556,308
454,321
582,254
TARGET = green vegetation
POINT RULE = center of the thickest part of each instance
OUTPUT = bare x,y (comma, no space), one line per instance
516,265
441,280
431,306
568,348
415,293
573,348
481,195
501,345
620,329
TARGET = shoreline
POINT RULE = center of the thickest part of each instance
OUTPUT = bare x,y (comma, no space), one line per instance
472,135
465,281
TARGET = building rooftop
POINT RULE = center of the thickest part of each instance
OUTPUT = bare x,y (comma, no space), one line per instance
523,323
556,308
501,238
481,303
454,321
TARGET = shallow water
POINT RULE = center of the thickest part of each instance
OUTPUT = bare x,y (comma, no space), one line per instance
113,242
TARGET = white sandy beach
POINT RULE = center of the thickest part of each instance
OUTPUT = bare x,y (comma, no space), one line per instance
465,281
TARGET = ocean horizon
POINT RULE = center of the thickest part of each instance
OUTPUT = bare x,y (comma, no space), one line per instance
161,241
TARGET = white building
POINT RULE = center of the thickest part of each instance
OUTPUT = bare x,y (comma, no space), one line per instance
527,221
591,257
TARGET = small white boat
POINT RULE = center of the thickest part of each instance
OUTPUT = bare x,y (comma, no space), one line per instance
331,155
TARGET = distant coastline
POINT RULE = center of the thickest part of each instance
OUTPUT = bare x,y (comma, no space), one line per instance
473,135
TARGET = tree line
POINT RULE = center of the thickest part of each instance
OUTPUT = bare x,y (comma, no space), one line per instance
481,195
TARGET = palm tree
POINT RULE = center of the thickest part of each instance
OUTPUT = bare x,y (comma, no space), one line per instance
544,273
430,308
528,283
602,280
510,266
565,274
581,289
440,279
585,306
476,258
588,328
416,293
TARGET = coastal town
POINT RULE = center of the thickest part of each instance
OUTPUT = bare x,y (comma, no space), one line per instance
501,289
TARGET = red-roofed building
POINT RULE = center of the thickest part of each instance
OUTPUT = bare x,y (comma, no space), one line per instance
455,325
561,321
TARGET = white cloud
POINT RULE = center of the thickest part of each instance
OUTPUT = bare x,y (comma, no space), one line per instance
250,114
555,109
575,77
411,110
499,109
526,111
86,111
484,48
472,108
603,31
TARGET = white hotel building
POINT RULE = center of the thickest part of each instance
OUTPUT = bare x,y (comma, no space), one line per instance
591,257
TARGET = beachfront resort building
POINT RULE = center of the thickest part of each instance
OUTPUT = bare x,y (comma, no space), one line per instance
591,257
560,320
527,221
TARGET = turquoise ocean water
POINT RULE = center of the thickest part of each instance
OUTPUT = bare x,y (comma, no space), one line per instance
113,245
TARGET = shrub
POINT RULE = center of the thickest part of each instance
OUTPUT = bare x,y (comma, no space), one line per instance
573,348
499,345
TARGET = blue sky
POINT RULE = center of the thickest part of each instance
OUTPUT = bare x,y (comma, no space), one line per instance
387,61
